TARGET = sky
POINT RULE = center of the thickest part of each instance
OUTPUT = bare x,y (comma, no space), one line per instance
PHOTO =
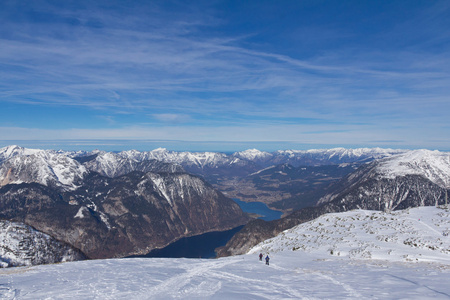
225,75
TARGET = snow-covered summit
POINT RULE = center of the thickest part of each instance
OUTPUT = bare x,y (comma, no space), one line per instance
342,153
253,155
44,167
433,165
14,150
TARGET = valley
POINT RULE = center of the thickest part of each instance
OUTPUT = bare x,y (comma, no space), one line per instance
284,187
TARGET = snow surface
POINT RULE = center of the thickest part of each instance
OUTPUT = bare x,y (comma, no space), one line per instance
291,275
308,273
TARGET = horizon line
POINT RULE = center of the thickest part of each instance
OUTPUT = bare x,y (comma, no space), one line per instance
117,145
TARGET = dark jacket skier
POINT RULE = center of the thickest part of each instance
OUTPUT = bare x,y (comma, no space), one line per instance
267,260
260,256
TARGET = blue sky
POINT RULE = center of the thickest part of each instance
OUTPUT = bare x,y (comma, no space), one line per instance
225,75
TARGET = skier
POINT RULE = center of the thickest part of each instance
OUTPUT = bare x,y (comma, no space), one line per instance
267,260
260,256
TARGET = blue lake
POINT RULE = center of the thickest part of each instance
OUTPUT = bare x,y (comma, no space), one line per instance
198,246
259,208
203,246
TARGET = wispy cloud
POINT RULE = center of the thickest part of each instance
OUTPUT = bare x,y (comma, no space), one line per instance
172,118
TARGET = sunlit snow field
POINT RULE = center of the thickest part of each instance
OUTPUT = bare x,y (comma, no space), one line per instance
409,260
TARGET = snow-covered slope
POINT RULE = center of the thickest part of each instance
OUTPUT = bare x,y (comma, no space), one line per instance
309,272
418,234
21,245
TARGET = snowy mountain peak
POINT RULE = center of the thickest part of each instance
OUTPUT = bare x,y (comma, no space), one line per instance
159,150
433,165
14,150
252,154
44,167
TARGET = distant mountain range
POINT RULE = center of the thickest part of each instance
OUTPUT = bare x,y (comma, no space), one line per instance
210,163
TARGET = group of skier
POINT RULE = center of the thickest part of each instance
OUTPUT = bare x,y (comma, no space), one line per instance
267,258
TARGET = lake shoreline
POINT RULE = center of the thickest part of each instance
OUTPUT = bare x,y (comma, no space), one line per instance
204,245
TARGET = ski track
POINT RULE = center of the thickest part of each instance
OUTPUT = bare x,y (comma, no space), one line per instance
184,284
417,221
419,285
352,292
261,287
